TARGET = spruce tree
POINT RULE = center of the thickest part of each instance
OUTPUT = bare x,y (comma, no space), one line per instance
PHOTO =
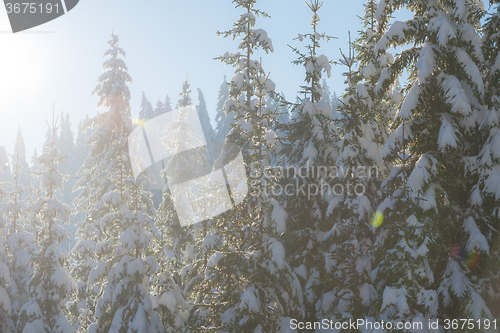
360,170
146,111
6,176
308,150
51,284
20,150
223,120
433,139
173,236
208,130
6,322
185,95
325,96
107,128
249,286
69,165
335,104
81,147
167,105
83,258
124,266
484,196
159,110
21,245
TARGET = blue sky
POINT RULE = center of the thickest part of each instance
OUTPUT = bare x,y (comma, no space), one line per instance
164,40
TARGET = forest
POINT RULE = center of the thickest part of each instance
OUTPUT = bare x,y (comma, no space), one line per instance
374,211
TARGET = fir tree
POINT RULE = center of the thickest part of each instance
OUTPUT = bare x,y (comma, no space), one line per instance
250,286
159,110
208,130
116,202
124,303
223,119
69,166
167,105
146,111
309,146
335,104
81,147
21,246
50,284
97,174
6,176
108,128
325,97
185,95
484,196
20,150
6,322
431,143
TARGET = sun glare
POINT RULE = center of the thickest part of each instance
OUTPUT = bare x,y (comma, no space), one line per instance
21,72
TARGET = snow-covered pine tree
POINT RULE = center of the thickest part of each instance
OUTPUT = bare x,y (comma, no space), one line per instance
6,322
48,139
283,114
439,114
20,243
173,237
81,147
335,104
69,166
326,95
83,258
124,266
159,109
50,285
6,176
66,141
66,144
484,197
223,120
33,191
185,95
146,111
308,149
249,286
177,242
99,156
364,111
81,152
107,129
20,150
348,244
282,111
167,105
208,130
117,207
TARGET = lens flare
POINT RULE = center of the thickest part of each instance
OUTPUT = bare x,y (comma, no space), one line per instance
457,252
472,260
377,219
469,259
138,121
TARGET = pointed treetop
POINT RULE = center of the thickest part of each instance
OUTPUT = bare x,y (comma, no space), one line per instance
112,84
185,95
167,105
